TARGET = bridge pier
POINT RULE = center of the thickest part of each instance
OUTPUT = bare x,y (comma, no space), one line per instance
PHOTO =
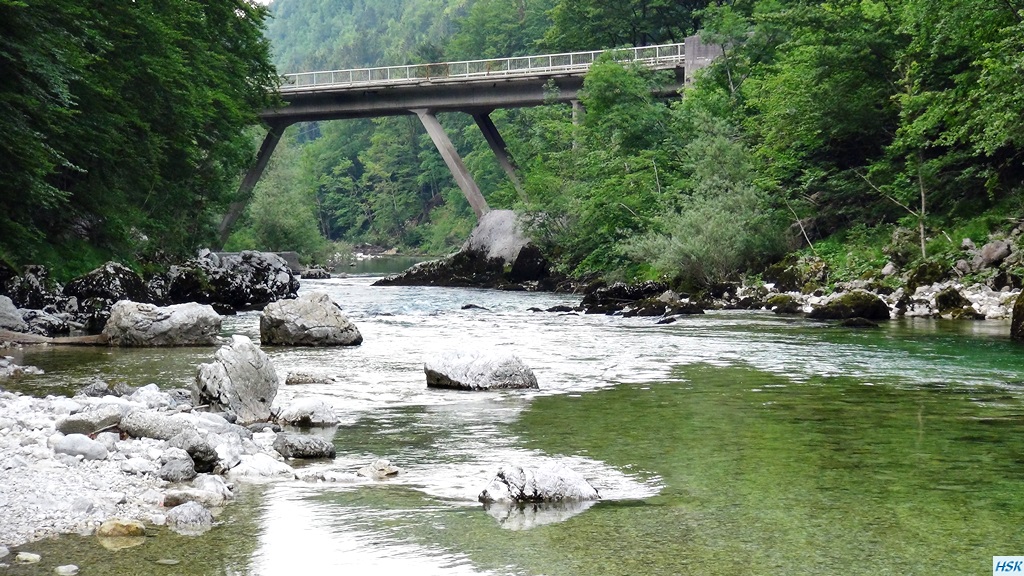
248,183
451,157
500,149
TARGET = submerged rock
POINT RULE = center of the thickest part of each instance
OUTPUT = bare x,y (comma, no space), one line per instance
144,325
516,516
120,528
241,380
312,319
478,371
551,482
190,519
379,470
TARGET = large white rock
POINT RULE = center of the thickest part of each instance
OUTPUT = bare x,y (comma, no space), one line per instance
138,324
478,371
312,319
549,482
241,380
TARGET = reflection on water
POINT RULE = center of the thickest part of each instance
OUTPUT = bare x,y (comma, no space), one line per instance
789,445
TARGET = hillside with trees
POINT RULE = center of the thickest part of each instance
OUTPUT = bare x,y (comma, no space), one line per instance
853,133
844,134
124,125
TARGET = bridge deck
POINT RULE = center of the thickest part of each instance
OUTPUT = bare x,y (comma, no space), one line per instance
660,56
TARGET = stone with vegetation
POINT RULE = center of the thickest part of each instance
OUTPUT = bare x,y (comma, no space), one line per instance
243,281
857,304
496,255
312,319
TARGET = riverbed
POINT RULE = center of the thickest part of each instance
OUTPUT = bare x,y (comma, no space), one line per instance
724,443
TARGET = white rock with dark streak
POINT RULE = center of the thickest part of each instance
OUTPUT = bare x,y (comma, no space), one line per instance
478,371
241,380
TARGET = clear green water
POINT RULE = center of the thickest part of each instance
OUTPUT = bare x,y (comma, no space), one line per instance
732,444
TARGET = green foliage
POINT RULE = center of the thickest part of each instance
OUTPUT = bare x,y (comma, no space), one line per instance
123,122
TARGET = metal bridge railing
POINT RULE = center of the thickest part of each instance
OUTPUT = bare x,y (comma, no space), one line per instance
569,62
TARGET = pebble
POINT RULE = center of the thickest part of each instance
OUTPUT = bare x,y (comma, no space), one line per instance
66,570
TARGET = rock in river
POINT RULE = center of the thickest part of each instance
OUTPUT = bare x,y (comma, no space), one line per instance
856,304
312,319
303,446
308,412
478,371
136,324
550,482
241,380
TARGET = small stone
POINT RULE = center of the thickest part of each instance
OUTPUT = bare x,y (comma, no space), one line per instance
80,445
379,470
27,558
4,551
168,562
66,570
118,528
177,470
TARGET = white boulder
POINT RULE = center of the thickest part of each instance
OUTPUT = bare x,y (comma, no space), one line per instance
308,412
241,380
312,319
138,324
478,371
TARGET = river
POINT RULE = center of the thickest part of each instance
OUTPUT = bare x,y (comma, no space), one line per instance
728,443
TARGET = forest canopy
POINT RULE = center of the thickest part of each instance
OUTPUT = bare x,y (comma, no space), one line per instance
124,124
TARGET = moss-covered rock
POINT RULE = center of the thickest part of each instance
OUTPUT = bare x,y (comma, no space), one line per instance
949,300
1017,322
783,304
926,273
858,304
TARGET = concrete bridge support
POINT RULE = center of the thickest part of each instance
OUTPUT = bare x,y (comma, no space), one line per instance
500,149
248,183
451,157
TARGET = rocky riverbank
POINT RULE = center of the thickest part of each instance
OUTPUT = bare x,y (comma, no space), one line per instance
70,465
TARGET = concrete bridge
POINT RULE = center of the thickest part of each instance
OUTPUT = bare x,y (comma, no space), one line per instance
475,87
